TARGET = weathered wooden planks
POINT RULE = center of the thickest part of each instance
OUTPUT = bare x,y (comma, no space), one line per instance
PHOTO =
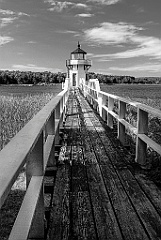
72,215
96,196
121,206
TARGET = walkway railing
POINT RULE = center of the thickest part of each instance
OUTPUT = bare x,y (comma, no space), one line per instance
34,147
104,104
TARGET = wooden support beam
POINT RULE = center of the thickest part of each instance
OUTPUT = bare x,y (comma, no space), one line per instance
141,146
121,127
35,161
110,108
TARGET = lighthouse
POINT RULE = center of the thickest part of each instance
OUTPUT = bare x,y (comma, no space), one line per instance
77,67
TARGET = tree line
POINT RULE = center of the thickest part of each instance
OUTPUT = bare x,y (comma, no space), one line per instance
111,79
28,77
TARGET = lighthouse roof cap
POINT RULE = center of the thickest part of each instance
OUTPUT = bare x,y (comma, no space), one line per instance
78,50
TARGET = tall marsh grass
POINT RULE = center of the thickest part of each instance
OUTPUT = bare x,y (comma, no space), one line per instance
16,111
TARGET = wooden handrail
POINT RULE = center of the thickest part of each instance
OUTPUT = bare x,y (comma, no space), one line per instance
32,146
99,99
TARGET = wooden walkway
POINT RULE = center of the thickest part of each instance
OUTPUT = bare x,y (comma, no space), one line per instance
97,194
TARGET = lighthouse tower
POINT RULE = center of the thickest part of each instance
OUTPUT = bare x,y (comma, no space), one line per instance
77,67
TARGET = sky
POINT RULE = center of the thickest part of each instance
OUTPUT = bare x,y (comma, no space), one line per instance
121,37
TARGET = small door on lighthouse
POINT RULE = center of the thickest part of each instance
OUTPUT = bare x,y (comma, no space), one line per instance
74,79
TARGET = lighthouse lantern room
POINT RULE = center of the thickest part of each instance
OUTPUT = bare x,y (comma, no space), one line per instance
77,67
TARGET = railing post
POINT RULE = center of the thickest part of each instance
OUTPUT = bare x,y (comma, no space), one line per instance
57,117
86,91
35,167
61,105
35,161
95,104
142,128
50,130
110,108
50,126
104,112
100,103
61,110
64,105
121,127
57,111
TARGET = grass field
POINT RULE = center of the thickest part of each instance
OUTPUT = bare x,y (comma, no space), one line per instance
18,104
21,90
149,94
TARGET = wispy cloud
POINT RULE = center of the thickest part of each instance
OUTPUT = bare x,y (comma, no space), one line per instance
141,10
6,21
105,2
6,12
59,6
8,17
80,5
5,39
111,33
31,42
23,14
127,35
34,68
147,46
68,32
90,54
153,67
10,12
85,15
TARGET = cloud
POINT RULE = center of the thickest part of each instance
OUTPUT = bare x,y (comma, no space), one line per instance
147,46
126,34
154,67
141,10
5,39
57,5
7,20
80,5
8,17
84,15
34,68
9,12
111,33
23,14
67,31
90,54
31,42
60,6
106,2
6,12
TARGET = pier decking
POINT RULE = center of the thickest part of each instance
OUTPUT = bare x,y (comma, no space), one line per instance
99,194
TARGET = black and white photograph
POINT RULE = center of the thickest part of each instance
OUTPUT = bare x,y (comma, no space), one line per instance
80,120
